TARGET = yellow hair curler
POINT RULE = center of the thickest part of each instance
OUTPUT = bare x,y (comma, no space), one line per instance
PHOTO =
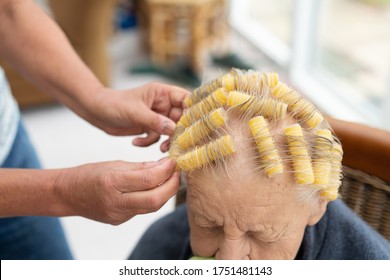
202,92
201,128
229,82
301,163
322,162
206,154
299,106
265,146
254,105
331,192
217,99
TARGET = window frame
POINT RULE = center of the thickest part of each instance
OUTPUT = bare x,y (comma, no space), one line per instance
336,98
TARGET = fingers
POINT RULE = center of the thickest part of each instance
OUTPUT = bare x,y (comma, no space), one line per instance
177,96
148,178
147,164
150,139
156,122
162,118
152,200
164,147
175,114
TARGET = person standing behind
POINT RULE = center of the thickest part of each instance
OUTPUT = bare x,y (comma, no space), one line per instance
109,192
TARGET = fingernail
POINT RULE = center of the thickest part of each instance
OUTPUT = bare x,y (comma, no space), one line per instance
168,128
165,149
173,162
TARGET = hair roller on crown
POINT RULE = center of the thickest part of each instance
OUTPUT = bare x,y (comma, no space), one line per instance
322,161
202,92
331,192
265,146
301,107
206,154
272,80
258,98
229,82
215,100
300,158
249,81
236,98
253,105
201,128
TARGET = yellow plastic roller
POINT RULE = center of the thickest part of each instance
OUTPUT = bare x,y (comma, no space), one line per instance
322,163
269,155
201,128
206,154
300,158
217,99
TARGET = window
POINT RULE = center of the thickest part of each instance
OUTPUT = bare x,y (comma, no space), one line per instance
267,24
336,51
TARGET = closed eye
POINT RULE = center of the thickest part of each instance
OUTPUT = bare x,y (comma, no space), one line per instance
210,230
260,237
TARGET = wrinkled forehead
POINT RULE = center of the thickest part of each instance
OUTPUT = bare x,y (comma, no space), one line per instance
246,201
240,175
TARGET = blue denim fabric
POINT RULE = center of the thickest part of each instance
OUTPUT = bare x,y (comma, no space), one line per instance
30,237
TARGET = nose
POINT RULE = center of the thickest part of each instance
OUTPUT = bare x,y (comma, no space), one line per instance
233,249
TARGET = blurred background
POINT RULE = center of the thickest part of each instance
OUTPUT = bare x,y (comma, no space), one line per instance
337,53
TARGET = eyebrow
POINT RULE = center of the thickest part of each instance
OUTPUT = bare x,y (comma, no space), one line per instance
273,236
265,230
204,223
201,220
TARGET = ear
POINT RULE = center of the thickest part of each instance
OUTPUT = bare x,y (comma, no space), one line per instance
318,212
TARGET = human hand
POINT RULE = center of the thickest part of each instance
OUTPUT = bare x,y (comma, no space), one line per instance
114,192
152,109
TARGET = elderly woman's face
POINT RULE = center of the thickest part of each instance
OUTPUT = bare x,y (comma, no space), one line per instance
246,218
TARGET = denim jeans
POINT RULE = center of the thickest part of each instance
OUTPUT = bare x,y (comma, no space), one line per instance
30,237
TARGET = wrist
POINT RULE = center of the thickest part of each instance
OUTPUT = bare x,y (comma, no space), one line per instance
30,192
60,192
87,102
94,105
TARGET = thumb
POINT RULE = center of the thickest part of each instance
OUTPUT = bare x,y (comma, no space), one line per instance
158,123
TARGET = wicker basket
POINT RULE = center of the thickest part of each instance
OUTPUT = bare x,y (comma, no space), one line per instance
369,197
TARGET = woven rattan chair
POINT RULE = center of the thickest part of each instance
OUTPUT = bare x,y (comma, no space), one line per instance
366,181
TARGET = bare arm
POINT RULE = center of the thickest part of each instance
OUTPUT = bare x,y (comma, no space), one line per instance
37,198
36,47
109,192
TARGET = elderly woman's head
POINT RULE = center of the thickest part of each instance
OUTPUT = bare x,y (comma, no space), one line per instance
261,165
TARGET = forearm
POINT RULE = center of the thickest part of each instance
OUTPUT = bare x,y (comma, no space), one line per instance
28,192
35,46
